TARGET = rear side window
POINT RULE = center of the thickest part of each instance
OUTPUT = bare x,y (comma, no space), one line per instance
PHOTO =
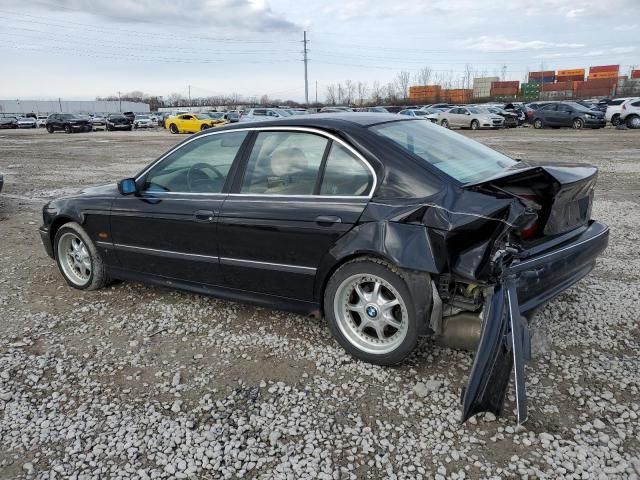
345,174
636,104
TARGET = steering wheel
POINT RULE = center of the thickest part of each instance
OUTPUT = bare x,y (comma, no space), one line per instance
197,170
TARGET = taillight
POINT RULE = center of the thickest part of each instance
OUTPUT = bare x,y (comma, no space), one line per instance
530,230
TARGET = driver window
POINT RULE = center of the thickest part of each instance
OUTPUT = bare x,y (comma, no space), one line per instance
284,163
200,166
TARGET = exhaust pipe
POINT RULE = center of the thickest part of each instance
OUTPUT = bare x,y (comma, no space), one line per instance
462,331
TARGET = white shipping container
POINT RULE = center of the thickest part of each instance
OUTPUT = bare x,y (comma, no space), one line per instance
480,81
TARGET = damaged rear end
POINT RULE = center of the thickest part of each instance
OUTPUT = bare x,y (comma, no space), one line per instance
513,242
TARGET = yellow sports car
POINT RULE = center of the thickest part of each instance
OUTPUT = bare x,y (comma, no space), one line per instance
191,122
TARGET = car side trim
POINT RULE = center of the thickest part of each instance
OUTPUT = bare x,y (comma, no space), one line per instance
317,131
210,258
268,265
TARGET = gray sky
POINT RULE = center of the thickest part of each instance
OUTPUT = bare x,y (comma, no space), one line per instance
80,49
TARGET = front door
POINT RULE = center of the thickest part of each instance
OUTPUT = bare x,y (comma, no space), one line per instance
169,228
299,193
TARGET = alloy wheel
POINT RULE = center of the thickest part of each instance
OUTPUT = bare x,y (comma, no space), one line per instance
634,122
371,314
74,259
578,124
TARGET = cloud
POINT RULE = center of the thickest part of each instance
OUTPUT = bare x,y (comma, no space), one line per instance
576,12
567,8
235,15
626,28
498,43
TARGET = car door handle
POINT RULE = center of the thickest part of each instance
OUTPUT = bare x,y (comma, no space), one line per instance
204,215
328,219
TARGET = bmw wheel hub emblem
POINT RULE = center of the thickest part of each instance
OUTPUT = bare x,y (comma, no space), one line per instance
372,311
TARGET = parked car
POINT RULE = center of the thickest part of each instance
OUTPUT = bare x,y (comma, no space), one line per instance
257,114
511,119
424,114
217,115
8,122
162,117
370,245
567,114
68,122
98,122
530,109
470,117
233,116
117,121
614,109
335,109
41,120
130,115
630,113
27,122
441,106
518,109
143,121
192,122
375,109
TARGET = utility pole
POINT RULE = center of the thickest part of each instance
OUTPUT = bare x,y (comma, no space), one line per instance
316,92
120,102
60,104
189,95
306,60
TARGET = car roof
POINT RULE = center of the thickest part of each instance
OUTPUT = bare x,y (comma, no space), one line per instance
330,120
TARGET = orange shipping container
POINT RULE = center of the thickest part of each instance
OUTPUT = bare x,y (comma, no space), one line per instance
604,68
597,75
569,78
566,73
635,73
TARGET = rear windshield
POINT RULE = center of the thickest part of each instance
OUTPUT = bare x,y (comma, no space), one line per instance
456,155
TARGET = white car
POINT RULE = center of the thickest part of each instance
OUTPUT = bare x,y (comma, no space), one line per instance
41,121
431,115
27,122
630,113
614,108
470,117
262,114
143,121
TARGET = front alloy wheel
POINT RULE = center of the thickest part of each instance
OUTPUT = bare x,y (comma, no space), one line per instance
475,125
578,123
538,124
370,312
444,123
78,259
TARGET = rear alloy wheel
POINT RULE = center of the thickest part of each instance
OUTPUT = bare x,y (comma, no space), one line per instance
444,123
615,120
475,125
633,121
78,259
578,123
68,129
49,129
370,312
173,128
537,123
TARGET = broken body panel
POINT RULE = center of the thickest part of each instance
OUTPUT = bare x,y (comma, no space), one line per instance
473,236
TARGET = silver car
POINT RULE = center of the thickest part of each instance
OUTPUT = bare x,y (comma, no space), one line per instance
470,117
432,116
27,122
262,114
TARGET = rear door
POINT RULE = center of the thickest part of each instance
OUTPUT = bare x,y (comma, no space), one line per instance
549,114
299,192
564,115
170,228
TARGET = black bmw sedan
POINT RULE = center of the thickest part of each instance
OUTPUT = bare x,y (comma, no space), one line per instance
391,228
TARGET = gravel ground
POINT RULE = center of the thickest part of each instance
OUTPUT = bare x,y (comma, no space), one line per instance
139,382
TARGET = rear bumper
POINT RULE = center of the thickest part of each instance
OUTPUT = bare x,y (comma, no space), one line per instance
541,274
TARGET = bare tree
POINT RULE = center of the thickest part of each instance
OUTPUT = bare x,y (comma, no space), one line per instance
331,94
340,94
423,76
391,92
376,92
362,89
468,75
403,79
349,91
264,100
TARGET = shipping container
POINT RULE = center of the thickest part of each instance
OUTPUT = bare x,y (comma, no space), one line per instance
555,87
571,73
556,95
485,80
604,68
569,78
510,84
628,88
596,76
599,83
541,80
546,73
635,73
593,92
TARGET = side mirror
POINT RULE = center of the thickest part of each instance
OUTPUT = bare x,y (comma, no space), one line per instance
127,186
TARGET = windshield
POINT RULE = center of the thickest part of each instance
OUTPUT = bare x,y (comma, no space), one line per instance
579,107
216,114
477,110
420,113
201,116
142,117
68,115
459,157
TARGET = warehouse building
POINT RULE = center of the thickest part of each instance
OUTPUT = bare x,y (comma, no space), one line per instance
44,107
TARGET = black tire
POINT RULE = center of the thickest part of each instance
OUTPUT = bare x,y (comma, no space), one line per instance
204,127
135,126
444,123
474,125
538,124
577,124
173,128
390,274
98,277
633,121
50,129
615,120
68,129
